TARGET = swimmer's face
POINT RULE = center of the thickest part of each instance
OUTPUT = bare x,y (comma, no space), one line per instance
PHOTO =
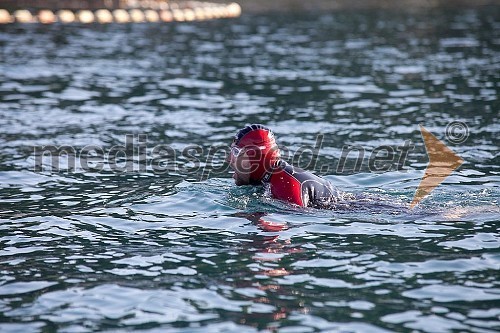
240,163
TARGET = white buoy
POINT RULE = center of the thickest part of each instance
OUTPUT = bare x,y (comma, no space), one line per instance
46,16
209,13
166,16
189,15
178,14
155,5
136,15
199,13
5,17
66,16
23,16
85,16
103,16
121,16
224,12
151,15
218,12
234,9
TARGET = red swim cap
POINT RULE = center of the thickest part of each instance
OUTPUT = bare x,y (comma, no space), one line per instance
260,146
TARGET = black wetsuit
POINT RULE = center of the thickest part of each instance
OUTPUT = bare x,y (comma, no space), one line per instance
297,186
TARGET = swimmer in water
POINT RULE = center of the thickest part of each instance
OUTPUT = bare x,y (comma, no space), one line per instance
255,159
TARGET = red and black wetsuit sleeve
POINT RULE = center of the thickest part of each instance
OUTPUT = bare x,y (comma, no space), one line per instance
300,187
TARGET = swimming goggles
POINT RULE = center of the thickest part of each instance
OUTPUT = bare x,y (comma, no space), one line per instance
236,151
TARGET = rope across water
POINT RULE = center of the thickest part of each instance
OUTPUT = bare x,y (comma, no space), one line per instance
136,12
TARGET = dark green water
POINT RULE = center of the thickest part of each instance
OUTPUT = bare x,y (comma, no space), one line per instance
182,250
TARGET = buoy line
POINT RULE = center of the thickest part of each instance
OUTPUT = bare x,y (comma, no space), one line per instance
144,11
